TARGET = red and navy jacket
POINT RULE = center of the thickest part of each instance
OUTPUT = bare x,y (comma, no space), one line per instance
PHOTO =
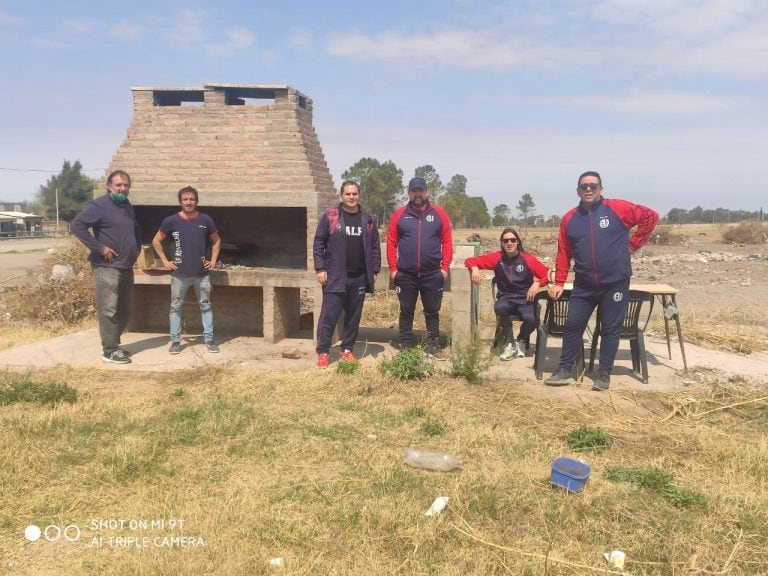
419,241
514,275
598,241
329,249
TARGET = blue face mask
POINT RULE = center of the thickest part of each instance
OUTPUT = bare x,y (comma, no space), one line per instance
119,198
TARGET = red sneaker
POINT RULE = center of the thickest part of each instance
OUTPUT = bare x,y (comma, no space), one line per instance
322,361
347,355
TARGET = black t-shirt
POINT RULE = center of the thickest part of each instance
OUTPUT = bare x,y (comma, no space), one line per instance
353,232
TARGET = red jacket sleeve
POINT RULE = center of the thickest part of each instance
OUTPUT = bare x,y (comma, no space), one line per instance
393,240
635,215
484,261
446,238
563,262
540,271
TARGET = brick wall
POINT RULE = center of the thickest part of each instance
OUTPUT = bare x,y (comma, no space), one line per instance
235,154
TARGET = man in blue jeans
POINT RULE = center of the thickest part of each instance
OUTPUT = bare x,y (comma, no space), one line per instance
114,246
595,235
190,234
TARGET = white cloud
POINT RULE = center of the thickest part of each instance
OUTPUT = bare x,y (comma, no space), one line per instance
237,39
125,30
651,102
454,47
80,25
628,36
187,27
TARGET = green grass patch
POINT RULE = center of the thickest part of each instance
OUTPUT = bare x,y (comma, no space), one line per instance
658,481
415,412
433,426
586,438
347,366
409,364
14,390
470,362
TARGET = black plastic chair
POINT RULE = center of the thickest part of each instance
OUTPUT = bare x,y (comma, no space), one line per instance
630,330
514,317
553,324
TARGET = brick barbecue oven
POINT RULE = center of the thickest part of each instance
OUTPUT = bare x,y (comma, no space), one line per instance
253,154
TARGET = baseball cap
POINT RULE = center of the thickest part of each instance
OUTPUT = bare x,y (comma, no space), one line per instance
417,183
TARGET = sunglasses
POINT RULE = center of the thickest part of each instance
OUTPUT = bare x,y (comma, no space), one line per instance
589,186
509,240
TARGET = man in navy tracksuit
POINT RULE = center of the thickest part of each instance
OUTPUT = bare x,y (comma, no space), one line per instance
419,252
347,259
596,235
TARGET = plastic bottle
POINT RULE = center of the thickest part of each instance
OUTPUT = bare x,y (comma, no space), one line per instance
438,461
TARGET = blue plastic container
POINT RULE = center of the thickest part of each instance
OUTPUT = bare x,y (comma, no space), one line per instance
570,474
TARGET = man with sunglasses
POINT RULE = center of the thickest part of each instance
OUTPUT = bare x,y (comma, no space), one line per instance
519,275
595,235
419,253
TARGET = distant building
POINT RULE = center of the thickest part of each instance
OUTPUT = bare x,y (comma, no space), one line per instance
14,223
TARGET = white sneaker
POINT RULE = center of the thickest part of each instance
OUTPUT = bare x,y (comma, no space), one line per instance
508,353
521,350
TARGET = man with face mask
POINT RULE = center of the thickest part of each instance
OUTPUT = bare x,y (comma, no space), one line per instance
114,240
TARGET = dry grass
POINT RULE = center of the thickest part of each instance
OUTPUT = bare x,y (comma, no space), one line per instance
309,467
44,307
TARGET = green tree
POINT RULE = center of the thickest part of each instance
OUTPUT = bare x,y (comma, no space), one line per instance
457,185
525,207
434,184
381,186
501,215
73,188
465,211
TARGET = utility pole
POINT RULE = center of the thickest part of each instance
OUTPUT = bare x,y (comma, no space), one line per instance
56,190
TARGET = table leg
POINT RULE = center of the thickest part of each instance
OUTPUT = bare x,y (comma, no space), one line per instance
680,334
666,323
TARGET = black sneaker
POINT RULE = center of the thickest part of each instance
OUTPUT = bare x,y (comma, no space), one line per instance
434,352
116,357
211,347
175,348
602,381
125,352
561,378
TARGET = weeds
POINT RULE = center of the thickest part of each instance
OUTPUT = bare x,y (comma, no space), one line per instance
347,366
433,427
746,233
659,481
68,300
14,390
408,365
470,362
587,438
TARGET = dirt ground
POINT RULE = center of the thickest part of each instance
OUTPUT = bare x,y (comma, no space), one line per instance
19,256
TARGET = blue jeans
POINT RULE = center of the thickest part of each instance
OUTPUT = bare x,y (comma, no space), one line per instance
179,287
114,290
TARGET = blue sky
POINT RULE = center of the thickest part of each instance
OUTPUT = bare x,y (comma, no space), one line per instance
666,98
